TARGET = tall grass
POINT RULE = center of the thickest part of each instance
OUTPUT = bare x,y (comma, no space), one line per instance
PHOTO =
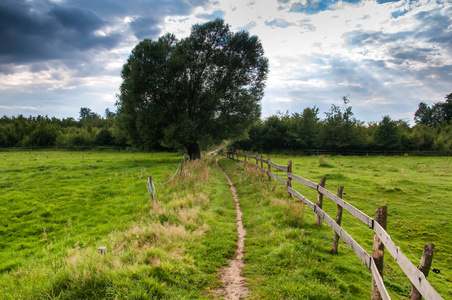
171,249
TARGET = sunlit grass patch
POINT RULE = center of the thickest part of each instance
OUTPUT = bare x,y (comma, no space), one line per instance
169,249
415,189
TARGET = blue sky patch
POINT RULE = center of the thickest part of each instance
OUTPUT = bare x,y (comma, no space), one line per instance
278,23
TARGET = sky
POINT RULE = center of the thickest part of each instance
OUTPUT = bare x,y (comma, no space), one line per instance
57,56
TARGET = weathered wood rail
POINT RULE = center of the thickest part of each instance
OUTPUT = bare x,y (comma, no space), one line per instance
373,262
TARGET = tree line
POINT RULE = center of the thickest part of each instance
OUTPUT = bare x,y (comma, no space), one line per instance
340,130
90,130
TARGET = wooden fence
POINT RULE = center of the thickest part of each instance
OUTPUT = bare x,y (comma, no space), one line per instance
374,262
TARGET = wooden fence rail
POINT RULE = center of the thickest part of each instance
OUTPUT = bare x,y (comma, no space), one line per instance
372,262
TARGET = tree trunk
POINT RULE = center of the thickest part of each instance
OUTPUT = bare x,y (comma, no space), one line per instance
193,151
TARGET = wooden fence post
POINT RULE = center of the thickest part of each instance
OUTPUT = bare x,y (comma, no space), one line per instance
318,219
381,216
182,166
262,163
289,180
338,221
257,162
426,263
269,167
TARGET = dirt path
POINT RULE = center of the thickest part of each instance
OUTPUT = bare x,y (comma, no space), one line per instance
231,276
213,153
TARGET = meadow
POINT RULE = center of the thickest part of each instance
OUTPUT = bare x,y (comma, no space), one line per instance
175,247
58,207
295,253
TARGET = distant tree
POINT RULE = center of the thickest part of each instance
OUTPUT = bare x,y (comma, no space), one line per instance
195,91
274,134
443,141
423,115
435,115
87,114
307,127
447,109
423,137
386,135
338,127
109,114
104,138
44,135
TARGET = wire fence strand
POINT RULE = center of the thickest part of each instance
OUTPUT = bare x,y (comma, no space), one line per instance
151,184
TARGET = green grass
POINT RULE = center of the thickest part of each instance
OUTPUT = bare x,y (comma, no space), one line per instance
174,248
84,200
288,256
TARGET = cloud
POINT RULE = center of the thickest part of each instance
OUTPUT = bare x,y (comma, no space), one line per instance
28,35
33,31
435,26
57,56
146,27
18,107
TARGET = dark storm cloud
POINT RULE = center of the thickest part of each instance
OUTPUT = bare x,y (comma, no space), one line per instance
150,12
145,27
30,36
35,31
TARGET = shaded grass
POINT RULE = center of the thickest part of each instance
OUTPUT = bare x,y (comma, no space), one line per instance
294,261
172,249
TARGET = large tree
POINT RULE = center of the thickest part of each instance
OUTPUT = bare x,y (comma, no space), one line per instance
195,91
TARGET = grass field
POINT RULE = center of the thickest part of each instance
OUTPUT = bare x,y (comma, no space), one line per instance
174,248
85,200
417,191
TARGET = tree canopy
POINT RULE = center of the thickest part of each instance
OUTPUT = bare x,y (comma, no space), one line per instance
195,91
433,116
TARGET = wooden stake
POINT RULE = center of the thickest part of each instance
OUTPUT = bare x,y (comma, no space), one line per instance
426,264
318,219
289,180
338,221
257,162
381,216
269,167
262,163
182,166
